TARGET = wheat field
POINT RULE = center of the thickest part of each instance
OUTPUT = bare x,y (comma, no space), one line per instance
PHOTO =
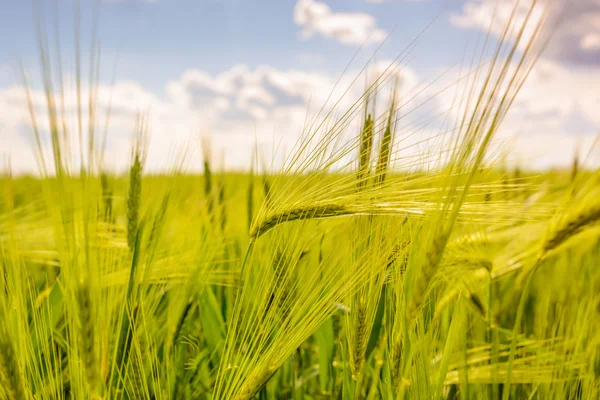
357,270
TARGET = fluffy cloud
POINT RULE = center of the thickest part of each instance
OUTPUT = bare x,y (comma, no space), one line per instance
559,94
234,107
348,28
554,113
553,116
575,40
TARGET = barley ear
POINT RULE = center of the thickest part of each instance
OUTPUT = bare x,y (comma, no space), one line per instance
135,179
222,203
383,163
250,195
314,212
253,385
422,281
366,146
208,181
133,200
572,227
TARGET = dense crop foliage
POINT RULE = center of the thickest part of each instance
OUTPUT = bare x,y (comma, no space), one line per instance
357,271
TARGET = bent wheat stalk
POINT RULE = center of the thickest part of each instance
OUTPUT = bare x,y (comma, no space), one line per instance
572,227
314,212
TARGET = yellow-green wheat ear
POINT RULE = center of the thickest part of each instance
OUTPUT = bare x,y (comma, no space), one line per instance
572,227
133,200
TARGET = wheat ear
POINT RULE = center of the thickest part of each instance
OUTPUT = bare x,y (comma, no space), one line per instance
314,212
572,227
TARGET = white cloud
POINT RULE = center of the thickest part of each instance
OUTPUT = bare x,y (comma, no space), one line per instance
556,109
555,90
553,116
233,107
575,39
348,28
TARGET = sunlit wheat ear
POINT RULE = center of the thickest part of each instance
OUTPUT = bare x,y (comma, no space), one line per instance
366,147
133,200
367,134
315,212
135,180
396,353
158,223
396,304
359,323
424,277
255,383
385,146
571,227
390,200
361,336
208,178
222,203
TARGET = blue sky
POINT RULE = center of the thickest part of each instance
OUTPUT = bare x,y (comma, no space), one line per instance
158,40
181,56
